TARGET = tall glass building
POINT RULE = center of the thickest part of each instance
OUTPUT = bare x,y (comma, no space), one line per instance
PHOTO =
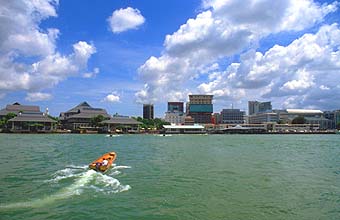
255,107
148,111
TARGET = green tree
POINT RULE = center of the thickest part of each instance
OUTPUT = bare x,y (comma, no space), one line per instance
281,122
151,123
95,121
5,119
299,120
338,125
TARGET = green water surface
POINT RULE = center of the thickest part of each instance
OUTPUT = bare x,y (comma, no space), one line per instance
172,177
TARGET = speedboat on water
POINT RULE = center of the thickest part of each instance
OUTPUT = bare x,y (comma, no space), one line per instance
104,162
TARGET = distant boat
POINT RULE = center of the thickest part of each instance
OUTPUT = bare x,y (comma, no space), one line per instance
112,135
97,164
164,135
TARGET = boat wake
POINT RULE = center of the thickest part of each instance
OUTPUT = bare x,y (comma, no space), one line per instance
83,180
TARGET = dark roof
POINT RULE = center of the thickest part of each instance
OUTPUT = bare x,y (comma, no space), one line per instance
84,110
121,120
90,114
80,107
16,108
32,117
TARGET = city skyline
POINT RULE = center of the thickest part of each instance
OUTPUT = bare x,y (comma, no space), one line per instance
119,55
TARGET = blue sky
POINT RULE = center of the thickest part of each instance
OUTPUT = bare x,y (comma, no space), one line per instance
120,54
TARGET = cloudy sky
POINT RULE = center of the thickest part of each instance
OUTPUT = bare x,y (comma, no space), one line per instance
120,54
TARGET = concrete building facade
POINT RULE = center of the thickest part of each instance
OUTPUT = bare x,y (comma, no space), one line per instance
266,117
255,107
200,108
174,117
232,116
175,107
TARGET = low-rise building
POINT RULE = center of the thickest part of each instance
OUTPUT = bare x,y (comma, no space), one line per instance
232,116
16,108
184,129
300,128
28,118
80,116
216,118
32,122
266,117
123,124
174,117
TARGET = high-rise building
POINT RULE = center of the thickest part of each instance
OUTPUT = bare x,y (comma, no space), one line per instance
175,106
232,116
255,107
175,114
147,111
200,108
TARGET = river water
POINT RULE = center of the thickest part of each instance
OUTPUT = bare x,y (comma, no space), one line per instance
170,177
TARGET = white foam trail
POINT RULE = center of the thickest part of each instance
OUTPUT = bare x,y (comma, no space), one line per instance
88,179
66,173
120,167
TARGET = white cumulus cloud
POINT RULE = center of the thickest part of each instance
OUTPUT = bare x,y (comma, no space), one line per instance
37,96
303,73
111,98
226,28
125,19
92,74
29,59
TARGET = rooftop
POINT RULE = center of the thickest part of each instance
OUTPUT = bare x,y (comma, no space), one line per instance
304,111
17,107
32,117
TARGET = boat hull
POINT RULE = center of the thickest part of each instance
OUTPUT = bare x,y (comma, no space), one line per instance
110,157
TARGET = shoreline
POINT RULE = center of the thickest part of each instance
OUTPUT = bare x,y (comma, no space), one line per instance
160,133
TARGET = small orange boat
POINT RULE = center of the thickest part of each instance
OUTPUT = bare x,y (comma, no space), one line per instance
98,164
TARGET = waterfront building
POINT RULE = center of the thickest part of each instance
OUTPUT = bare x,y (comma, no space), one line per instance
200,108
16,108
216,118
122,124
232,116
175,107
266,117
184,129
28,118
312,116
331,115
188,120
255,107
323,123
80,117
300,128
175,114
175,117
245,129
293,113
148,111
337,118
